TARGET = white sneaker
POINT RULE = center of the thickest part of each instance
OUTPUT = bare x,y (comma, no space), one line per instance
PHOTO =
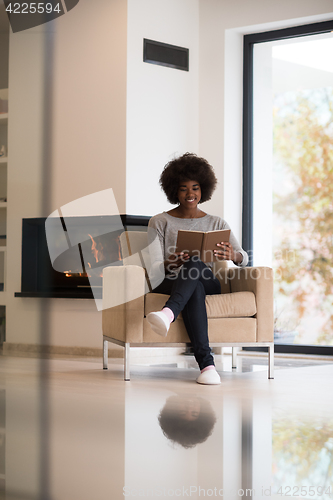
159,323
209,377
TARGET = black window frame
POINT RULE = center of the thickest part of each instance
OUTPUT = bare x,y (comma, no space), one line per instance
247,211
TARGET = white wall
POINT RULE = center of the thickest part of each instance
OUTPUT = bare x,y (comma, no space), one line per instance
89,102
25,172
67,139
162,102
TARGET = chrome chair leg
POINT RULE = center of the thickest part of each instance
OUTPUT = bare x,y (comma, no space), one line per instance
127,361
234,356
105,354
271,361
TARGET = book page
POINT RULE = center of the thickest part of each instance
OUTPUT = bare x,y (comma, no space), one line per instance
211,238
189,242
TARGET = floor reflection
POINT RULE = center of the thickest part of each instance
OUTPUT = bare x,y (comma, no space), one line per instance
80,432
303,455
2,442
187,420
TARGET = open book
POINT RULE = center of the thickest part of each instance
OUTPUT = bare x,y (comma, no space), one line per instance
201,243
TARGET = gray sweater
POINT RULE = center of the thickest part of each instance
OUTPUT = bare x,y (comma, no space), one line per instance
167,228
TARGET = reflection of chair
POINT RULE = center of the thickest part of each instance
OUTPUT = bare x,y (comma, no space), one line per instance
241,316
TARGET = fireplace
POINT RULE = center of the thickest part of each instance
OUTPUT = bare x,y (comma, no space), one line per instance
79,268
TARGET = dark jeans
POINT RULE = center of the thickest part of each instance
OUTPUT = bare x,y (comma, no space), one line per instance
187,294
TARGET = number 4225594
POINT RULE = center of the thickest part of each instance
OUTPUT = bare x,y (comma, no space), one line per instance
33,8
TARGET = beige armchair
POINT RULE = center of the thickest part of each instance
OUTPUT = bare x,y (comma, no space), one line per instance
241,316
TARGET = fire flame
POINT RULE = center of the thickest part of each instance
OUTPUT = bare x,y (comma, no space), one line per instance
97,252
70,274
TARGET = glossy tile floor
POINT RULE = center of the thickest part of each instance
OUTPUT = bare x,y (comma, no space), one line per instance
69,430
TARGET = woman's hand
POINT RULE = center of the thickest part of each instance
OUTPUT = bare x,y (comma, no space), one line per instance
227,252
175,260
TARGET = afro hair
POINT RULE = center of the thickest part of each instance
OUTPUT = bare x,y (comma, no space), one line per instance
188,167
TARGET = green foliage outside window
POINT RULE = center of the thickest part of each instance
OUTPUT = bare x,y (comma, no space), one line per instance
303,204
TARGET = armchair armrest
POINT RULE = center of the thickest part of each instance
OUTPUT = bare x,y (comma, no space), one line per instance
124,288
258,280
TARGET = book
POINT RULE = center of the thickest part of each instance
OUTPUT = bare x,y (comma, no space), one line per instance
201,243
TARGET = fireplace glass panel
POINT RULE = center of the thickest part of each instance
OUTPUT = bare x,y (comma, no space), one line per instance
80,267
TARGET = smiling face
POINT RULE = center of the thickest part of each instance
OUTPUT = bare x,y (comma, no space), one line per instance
189,193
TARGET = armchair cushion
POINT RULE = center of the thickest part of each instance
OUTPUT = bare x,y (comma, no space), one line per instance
227,305
231,305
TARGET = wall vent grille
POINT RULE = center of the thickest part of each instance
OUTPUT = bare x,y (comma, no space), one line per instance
165,54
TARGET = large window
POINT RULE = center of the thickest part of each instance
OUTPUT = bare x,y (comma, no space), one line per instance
288,177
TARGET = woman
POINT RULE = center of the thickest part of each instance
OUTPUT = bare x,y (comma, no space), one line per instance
188,181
